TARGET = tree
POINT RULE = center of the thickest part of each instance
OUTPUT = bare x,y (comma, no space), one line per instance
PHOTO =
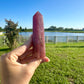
1,29
25,28
52,28
20,29
11,34
66,29
60,28
69,29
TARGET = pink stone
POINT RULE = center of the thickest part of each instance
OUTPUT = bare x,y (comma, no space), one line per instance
38,36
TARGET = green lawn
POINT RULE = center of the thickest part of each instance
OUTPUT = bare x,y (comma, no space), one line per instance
66,65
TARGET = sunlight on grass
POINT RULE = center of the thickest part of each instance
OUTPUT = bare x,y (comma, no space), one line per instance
66,65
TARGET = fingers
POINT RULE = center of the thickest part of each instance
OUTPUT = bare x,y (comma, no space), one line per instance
26,54
45,59
27,59
34,64
22,49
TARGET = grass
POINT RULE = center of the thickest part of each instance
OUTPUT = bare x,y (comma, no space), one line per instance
66,65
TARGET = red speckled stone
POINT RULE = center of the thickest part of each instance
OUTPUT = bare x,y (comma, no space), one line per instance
38,36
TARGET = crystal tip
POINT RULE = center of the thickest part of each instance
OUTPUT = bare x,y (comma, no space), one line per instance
37,13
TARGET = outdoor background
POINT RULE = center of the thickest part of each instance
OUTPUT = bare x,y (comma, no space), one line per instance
64,36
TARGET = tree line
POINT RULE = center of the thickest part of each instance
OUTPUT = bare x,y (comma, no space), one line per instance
54,28
51,28
20,29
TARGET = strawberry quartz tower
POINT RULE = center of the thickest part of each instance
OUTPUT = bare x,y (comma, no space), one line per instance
37,46
38,35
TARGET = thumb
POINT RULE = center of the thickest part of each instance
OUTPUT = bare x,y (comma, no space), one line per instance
34,64
45,59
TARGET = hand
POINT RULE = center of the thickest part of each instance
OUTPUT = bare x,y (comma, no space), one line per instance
19,65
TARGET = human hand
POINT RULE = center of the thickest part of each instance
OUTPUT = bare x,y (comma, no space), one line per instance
19,65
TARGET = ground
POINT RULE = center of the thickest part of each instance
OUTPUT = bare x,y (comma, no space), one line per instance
66,65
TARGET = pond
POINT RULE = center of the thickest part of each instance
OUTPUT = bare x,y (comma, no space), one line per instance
54,34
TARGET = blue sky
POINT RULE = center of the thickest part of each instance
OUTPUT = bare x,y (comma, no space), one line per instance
59,13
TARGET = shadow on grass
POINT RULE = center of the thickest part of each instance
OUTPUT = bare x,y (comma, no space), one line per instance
69,46
5,49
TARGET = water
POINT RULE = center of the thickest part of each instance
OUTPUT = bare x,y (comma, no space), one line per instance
54,34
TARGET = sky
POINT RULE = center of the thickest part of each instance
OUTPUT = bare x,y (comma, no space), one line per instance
59,13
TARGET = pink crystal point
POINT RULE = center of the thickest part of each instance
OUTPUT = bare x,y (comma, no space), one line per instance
38,35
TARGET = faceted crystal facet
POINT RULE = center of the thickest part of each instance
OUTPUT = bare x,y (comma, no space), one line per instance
38,35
